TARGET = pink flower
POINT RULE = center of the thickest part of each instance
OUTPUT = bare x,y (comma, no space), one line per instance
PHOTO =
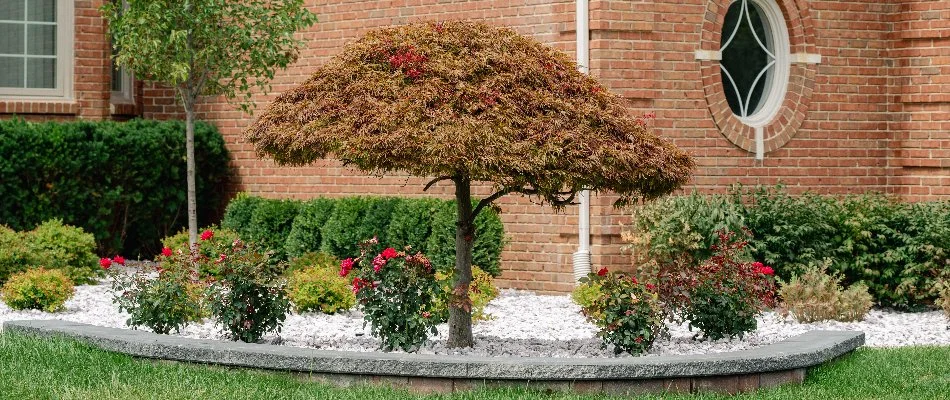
119,260
426,314
389,253
222,257
378,263
167,252
105,263
207,235
346,266
602,272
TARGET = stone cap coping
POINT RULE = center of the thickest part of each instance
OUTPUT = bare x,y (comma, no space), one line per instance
802,351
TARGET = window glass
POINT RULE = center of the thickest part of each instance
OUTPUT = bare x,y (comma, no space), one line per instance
28,44
748,57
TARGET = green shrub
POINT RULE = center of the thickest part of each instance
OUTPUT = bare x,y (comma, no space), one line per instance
628,313
305,231
319,286
123,182
237,216
671,228
817,296
489,239
209,249
411,223
38,289
51,245
333,226
897,249
165,298
943,301
14,255
270,225
250,299
343,230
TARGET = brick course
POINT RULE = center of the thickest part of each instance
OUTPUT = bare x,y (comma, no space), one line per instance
874,114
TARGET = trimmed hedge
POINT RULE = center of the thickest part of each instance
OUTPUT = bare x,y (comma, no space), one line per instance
898,249
335,226
124,182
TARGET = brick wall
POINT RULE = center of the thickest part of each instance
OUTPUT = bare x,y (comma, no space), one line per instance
919,100
872,115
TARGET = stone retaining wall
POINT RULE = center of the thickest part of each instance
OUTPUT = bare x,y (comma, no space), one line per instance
766,366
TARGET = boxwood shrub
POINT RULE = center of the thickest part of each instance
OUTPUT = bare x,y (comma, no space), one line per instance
52,245
898,249
123,182
336,226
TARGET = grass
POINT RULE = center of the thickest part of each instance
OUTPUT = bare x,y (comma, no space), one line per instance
32,368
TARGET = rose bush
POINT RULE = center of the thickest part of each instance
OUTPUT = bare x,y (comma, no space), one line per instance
628,313
163,297
396,291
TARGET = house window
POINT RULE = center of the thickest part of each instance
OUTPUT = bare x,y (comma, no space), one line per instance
121,77
36,48
754,65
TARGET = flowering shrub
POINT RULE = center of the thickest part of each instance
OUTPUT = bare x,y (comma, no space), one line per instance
209,249
396,291
163,298
816,295
249,300
727,293
38,289
316,285
628,313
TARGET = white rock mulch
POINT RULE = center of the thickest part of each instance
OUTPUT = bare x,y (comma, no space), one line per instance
523,324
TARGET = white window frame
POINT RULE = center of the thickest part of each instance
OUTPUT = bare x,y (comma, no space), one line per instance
127,94
776,84
65,16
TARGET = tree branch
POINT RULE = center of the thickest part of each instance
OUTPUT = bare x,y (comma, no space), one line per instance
495,196
434,181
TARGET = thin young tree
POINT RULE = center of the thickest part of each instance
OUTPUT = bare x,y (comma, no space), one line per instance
206,48
467,102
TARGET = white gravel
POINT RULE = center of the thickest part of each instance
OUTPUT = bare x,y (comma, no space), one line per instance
523,324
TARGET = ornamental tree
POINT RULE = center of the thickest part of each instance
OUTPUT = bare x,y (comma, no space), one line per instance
467,102
206,47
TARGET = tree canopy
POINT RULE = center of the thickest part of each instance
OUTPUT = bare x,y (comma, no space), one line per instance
468,99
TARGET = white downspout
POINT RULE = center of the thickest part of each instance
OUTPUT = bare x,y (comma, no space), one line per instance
582,256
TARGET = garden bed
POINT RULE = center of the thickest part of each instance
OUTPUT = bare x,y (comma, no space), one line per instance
522,325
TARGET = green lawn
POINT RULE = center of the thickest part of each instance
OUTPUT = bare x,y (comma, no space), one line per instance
33,368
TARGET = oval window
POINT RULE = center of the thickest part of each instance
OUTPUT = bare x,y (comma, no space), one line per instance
754,65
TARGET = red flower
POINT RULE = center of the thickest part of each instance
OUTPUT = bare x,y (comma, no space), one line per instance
602,272
651,287
119,260
105,263
207,235
222,257
766,270
634,280
389,253
167,252
346,266
757,265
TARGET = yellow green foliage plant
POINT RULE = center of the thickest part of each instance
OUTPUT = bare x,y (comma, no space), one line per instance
38,289
318,286
481,292
816,295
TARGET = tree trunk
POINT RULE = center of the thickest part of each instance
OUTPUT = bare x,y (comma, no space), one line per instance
460,307
190,171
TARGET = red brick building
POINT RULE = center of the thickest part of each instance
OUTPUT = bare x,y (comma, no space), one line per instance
855,96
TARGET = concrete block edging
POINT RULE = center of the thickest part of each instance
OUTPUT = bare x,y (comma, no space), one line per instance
771,365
